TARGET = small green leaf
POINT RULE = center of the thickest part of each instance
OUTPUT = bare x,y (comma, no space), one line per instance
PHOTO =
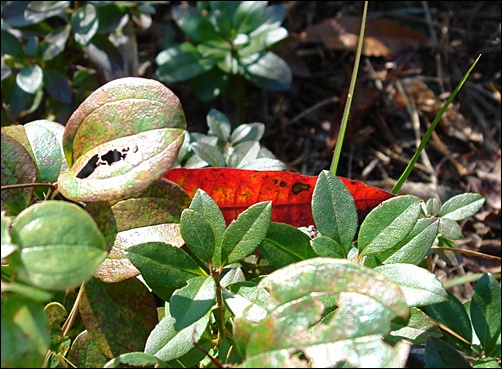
485,314
84,23
219,125
209,154
245,233
85,353
165,264
192,302
249,15
334,210
419,286
243,154
268,71
388,224
166,343
135,359
247,132
54,43
449,228
25,332
439,354
118,316
284,244
462,206
328,247
30,79
246,298
198,235
418,327
61,245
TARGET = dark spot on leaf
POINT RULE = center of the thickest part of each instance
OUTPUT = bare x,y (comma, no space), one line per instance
282,184
87,170
112,156
299,187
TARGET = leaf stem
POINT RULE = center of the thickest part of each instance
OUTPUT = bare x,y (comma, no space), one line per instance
350,94
431,129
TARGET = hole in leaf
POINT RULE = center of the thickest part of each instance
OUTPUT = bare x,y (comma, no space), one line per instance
109,158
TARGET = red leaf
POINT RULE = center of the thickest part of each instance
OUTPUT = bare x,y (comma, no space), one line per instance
234,190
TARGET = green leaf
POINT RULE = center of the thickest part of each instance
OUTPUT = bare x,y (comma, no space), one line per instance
462,206
203,204
334,210
246,298
85,353
165,264
243,154
135,359
328,247
268,71
209,154
37,11
198,235
124,223
11,45
181,63
25,332
245,233
485,314
247,132
209,85
388,224
54,43
17,167
439,354
366,305
219,125
196,26
61,245
453,315
416,329
450,229
192,302
58,86
419,286
118,316
84,23
249,15
30,79
166,343
284,244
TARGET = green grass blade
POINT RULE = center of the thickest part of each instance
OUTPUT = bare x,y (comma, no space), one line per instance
431,129
345,117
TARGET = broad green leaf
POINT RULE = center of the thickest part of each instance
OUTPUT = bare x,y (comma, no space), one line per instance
135,359
234,275
219,125
485,314
37,11
166,343
334,210
328,247
124,223
249,15
11,45
196,26
84,23
61,245
165,264
192,302
247,132
268,71
450,229
245,233
209,154
84,353
198,235
25,332
284,244
243,154
453,315
121,108
416,329
30,79
462,206
246,298
122,167
439,354
17,167
419,286
366,305
33,293
118,316
209,85
388,224
54,43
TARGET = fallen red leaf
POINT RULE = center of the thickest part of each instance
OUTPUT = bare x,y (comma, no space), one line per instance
234,190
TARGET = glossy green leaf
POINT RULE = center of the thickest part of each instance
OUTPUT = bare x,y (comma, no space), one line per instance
366,305
462,206
122,167
419,286
388,224
30,79
334,210
439,354
192,302
245,233
11,45
453,315
37,11
485,314
84,353
166,343
17,167
198,235
284,244
118,316
61,245
124,223
196,26
165,264
268,71
242,154
25,332
219,125
247,132
209,154
54,43
416,329
135,359
249,15
84,23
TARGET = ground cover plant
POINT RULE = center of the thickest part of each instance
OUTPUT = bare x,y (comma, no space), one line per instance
118,249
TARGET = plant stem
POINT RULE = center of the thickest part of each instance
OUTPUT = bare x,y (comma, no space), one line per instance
431,129
350,94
